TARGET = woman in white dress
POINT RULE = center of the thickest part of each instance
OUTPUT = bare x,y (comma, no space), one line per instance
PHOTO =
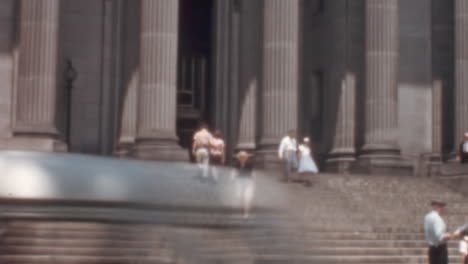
306,163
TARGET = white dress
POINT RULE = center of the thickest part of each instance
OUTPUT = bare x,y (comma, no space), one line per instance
306,163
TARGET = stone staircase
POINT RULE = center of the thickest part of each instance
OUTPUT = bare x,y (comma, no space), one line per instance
42,241
341,219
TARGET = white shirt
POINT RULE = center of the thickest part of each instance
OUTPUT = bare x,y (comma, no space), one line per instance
434,228
287,144
203,138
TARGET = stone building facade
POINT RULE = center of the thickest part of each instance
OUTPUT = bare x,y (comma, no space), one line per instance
374,83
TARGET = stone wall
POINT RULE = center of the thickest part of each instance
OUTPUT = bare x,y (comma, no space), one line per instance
415,84
8,11
315,50
81,40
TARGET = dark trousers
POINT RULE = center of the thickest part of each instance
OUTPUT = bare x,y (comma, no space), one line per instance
438,254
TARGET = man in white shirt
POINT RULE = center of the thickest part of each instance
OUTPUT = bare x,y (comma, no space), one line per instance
436,234
287,152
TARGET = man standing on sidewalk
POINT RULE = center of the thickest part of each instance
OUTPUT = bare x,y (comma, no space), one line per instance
436,234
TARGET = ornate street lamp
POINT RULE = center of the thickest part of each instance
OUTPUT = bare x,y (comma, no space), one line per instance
70,76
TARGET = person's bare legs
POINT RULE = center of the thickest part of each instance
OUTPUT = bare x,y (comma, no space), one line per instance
215,172
308,178
247,197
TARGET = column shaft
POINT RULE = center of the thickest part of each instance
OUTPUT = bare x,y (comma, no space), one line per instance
343,151
437,121
461,70
37,71
346,72
158,69
247,124
280,73
157,109
382,56
250,55
128,127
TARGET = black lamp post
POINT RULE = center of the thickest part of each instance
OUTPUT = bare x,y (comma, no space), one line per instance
70,77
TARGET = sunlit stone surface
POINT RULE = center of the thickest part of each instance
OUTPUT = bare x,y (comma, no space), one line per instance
68,177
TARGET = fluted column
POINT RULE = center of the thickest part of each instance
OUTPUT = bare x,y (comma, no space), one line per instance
37,71
382,55
128,125
247,124
461,70
157,113
35,118
437,121
250,62
280,74
347,61
342,154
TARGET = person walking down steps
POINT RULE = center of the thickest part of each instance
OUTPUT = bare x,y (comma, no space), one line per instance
307,165
245,186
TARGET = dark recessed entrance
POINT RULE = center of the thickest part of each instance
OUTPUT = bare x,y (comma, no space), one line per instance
195,52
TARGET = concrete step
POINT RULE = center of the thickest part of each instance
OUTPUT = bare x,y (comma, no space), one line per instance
322,235
320,243
321,251
154,234
68,242
51,259
137,216
76,234
101,251
273,258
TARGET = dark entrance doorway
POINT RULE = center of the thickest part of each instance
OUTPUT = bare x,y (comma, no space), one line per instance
194,89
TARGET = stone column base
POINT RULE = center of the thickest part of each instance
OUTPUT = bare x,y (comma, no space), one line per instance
267,158
162,150
390,164
429,165
124,150
250,147
340,164
33,144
